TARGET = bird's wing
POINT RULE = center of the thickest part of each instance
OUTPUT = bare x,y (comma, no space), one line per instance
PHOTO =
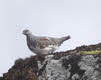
45,43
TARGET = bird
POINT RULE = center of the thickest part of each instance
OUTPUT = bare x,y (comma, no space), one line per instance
42,45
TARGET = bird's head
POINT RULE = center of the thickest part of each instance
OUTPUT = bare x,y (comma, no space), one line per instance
26,31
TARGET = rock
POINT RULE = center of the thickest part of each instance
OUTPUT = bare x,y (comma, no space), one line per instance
68,65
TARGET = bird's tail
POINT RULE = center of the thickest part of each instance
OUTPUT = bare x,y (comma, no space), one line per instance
65,38
62,39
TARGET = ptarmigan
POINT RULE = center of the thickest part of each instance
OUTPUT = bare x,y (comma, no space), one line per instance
43,45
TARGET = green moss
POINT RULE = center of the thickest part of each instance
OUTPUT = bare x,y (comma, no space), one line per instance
91,52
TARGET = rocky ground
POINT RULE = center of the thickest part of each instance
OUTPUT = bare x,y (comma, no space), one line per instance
82,63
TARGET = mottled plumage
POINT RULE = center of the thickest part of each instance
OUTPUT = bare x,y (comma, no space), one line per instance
43,45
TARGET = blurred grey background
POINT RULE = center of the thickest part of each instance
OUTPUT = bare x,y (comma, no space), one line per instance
79,18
